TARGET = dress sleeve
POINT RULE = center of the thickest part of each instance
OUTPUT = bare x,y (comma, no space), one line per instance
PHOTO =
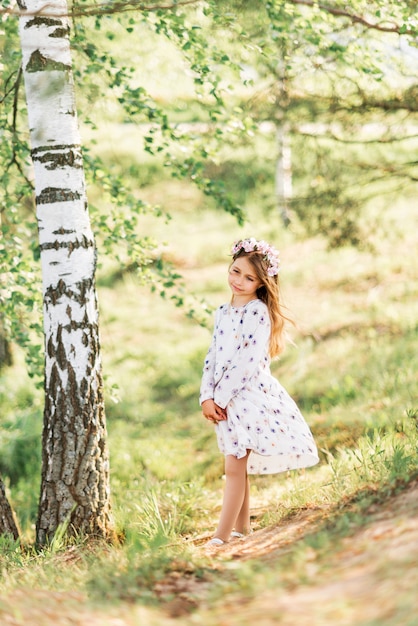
207,385
252,350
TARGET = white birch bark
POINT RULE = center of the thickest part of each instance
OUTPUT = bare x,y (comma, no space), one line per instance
283,180
284,172
75,472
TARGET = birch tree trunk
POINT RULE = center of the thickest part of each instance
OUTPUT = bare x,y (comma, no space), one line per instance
284,172
7,521
284,151
75,465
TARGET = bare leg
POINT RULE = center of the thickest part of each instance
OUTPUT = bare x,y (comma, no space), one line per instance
235,495
242,524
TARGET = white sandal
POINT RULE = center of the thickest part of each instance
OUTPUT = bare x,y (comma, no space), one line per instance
238,535
215,541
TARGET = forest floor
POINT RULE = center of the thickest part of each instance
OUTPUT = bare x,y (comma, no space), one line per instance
370,577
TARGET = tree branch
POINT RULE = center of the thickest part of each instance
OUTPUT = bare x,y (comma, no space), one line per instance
89,10
334,137
9,90
358,19
16,97
14,160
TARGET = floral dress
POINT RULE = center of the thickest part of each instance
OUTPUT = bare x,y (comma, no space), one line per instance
262,417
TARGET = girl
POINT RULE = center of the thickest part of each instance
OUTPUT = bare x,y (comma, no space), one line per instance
259,427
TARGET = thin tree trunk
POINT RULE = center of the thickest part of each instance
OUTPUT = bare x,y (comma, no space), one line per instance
7,521
5,352
75,465
284,172
284,151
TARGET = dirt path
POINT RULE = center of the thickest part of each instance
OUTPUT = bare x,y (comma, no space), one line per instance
370,579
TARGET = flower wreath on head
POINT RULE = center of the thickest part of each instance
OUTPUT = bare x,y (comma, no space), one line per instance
270,254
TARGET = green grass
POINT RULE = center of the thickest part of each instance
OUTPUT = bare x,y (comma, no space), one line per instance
352,370
347,488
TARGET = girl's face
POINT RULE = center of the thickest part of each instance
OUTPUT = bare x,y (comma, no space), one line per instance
243,281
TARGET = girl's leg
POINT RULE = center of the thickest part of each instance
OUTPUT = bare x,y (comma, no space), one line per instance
235,494
242,524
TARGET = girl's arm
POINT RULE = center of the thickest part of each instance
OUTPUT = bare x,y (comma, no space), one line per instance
251,351
207,385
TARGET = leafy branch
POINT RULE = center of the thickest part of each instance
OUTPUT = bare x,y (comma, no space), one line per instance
89,10
400,29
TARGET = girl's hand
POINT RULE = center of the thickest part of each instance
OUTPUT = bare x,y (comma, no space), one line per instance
212,412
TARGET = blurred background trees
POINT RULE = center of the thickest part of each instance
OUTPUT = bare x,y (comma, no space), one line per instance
335,85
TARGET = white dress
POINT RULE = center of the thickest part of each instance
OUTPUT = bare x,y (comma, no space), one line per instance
262,417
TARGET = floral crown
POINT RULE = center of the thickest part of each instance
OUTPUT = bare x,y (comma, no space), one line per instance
270,254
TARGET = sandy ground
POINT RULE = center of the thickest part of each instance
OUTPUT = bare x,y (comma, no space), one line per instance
370,579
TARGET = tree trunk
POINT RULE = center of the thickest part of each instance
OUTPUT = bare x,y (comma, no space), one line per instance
7,521
5,352
284,172
75,465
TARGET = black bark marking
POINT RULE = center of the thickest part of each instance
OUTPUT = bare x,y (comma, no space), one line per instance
52,295
50,348
43,21
56,350
82,293
70,245
39,63
50,195
63,156
85,287
55,377
76,399
61,32
84,387
61,355
64,231
62,146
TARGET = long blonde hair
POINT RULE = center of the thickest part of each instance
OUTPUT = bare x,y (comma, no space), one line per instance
269,293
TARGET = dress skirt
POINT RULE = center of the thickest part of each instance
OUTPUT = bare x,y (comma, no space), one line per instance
261,415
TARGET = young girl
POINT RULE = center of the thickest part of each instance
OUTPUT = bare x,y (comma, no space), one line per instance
260,429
